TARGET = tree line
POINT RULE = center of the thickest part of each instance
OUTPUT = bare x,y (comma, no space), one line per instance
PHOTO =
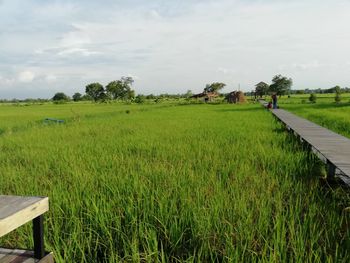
280,86
122,90
334,89
337,98
114,90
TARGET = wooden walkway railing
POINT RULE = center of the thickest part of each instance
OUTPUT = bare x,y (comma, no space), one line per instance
333,148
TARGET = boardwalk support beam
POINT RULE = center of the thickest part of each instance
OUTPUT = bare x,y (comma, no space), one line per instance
330,170
38,235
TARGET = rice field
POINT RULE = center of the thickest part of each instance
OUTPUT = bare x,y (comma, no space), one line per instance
324,112
170,183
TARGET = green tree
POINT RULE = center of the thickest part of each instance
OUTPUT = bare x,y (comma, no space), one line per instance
337,97
77,96
188,94
95,91
140,99
261,89
214,87
313,98
281,85
121,89
60,96
131,94
150,97
86,97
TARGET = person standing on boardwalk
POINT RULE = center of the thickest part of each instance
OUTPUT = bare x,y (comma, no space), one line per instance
274,101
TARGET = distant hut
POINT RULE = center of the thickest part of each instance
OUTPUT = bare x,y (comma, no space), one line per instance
236,97
206,96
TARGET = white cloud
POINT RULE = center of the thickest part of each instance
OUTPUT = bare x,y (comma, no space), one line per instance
225,70
77,51
50,10
5,81
305,66
26,76
50,78
75,38
154,14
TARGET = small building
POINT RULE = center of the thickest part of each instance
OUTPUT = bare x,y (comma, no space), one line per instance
236,97
206,96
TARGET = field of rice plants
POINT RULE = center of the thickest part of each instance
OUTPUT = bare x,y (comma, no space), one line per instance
325,112
320,98
170,183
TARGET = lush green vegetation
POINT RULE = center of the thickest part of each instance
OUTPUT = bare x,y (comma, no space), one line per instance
326,112
170,183
304,98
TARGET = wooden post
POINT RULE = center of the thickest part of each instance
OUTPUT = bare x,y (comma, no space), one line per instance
330,170
38,235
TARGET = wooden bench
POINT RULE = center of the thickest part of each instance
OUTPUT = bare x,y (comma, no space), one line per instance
15,211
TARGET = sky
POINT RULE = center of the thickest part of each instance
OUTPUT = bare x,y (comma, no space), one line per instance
49,46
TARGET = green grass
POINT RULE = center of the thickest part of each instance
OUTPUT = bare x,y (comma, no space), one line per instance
321,98
170,183
324,112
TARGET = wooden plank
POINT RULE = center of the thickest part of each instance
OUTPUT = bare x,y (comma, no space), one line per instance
30,260
334,147
14,255
47,259
22,256
16,211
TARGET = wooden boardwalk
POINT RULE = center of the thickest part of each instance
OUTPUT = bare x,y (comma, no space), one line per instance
16,211
334,148
22,256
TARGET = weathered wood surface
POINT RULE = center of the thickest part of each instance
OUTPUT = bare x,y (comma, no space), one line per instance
18,210
334,147
22,256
